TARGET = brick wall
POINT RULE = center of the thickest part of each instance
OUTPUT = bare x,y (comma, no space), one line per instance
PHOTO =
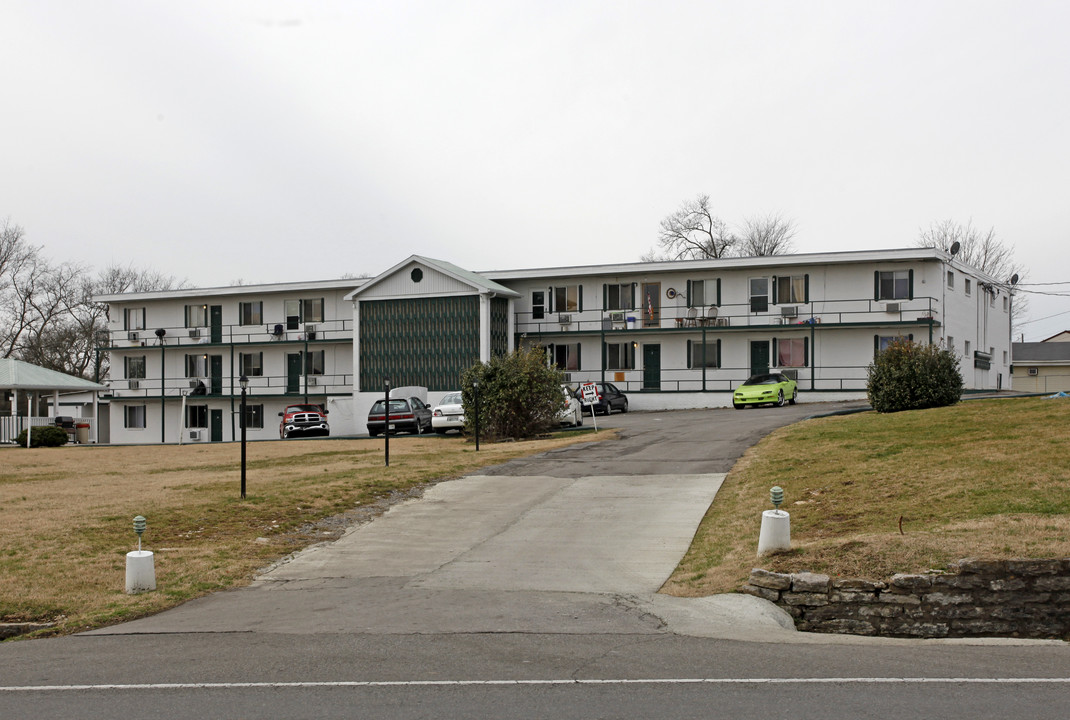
974,598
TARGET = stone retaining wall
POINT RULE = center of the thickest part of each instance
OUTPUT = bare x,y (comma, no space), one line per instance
974,598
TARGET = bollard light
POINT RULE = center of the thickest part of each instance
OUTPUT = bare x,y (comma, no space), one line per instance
776,494
139,527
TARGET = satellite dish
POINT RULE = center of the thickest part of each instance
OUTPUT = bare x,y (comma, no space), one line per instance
1014,279
955,247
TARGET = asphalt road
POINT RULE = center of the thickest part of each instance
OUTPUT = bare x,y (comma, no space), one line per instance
527,591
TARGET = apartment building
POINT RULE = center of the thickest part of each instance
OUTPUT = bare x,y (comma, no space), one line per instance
671,334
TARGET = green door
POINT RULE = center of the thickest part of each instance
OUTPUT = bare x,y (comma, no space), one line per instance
759,357
215,321
652,367
293,373
215,374
216,423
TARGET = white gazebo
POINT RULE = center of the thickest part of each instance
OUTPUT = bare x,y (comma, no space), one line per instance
18,376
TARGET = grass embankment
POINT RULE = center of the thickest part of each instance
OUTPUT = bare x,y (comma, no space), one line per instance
985,478
68,514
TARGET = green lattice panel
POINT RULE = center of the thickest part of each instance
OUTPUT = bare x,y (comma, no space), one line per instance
418,341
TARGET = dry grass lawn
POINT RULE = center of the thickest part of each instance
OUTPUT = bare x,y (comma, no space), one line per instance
68,514
985,478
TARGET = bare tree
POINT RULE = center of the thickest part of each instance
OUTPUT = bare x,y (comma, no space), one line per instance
770,234
693,232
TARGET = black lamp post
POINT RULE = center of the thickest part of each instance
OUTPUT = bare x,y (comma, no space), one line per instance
475,389
244,381
386,418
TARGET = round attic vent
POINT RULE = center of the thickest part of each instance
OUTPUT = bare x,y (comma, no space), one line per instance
417,275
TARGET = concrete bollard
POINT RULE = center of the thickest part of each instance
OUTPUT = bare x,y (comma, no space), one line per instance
140,571
775,534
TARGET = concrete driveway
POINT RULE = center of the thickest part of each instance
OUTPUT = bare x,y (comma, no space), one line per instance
577,540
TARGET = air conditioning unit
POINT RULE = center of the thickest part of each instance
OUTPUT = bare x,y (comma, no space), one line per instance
194,332
564,319
566,377
790,374
133,336
312,381
892,307
134,384
1034,371
723,322
617,317
789,311
194,434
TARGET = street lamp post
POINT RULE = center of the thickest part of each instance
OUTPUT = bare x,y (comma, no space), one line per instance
475,389
244,381
386,418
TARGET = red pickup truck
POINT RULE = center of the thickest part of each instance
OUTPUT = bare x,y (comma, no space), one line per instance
300,420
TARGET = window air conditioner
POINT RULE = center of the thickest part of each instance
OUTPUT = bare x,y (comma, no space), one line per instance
1034,371
194,332
195,383
617,317
133,336
564,319
790,374
194,434
789,311
135,384
892,307
312,382
310,332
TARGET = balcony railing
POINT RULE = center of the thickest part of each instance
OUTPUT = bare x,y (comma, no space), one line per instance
839,312
228,386
232,334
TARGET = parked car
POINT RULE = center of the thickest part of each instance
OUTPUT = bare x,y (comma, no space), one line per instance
303,420
406,415
766,389
610,398
572,413
448,414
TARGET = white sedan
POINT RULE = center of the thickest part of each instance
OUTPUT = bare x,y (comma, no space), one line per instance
448,414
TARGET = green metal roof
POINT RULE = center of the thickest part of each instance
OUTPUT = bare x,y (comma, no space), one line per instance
19,375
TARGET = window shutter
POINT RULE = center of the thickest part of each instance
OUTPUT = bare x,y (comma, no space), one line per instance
629,351
910,284
689,303
776,356
605,296
631,300
776,296
605,352
579,364
806,352
718,352
718,292
806,287
876,345
550,300
910,337
876,284
689,364
579,296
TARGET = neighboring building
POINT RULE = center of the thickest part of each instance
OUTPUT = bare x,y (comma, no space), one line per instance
1042,367
673,334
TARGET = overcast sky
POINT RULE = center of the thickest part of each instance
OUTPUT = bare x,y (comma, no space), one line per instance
274,141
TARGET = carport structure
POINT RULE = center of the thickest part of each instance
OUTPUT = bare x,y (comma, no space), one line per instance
18,376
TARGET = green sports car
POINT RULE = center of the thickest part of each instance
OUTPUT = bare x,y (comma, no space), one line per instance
766,388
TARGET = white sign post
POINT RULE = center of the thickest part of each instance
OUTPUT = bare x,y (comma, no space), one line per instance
589,396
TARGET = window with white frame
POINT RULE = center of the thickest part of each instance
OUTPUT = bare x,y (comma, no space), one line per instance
315,361
308,310
706,354
251,364
134,367
620,296
254,417
791,289
538,304
620,356
950,279
251,313
196,366
134,417
134,318
567,298
967,349
791,352
196,316
1004,304
950,343
759,294
196,416
566,356
1004,358
881,342
696,293
966,286
894,284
